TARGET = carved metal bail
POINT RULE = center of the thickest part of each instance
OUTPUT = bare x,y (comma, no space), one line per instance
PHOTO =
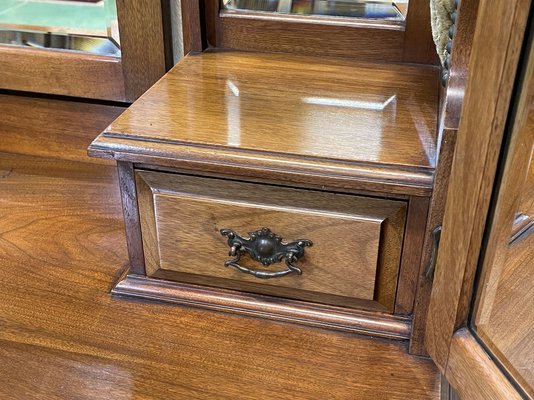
267,248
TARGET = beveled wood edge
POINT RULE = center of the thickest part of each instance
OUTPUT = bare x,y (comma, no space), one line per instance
338,173
472,372
69,73
330,317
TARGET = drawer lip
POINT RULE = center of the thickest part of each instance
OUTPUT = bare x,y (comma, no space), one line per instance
353,175
330,317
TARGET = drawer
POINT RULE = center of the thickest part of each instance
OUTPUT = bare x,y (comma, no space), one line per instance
353,260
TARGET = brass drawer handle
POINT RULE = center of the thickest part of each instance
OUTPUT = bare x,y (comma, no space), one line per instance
267,248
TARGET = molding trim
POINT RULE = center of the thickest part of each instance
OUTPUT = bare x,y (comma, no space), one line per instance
338,173
337,318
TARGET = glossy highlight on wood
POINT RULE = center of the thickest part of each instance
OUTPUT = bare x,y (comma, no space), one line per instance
63,336
276,114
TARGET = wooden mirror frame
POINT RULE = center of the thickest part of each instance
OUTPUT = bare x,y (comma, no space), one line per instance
146,56
360,38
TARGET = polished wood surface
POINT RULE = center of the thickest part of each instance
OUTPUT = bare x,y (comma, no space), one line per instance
472,373
143,45
52,128
358,38
503,315
62,73
473,170
63,336
181,217
375,323
451,111
418,46
271,114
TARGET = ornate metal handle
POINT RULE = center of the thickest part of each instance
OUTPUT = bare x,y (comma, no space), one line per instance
267,248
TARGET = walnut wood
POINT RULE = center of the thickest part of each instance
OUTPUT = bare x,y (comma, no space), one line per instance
63,336
331,317
52,128
418,44
449,122
411,254
473,168
472,372
504,287
182,216
324,36
131,217
268,128
191,26
62,72
142,45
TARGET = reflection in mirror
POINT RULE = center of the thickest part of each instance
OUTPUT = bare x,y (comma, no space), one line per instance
377,9
77,25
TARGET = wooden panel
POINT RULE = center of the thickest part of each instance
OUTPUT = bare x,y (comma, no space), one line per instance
265,112
61,72
190,211
142,44
304,38
506,276
63,246
472,372
473,169
449,122
418,44
411,254
52,128
322,36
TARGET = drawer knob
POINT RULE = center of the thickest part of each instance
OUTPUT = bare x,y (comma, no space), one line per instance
267,248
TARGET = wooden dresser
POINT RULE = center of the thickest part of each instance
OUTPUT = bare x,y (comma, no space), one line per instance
289,187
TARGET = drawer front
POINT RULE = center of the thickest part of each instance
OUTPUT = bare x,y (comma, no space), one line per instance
356,240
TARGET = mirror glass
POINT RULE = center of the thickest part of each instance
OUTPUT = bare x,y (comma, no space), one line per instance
76,25
374,10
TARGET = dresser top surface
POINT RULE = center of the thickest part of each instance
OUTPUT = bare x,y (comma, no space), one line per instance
286,106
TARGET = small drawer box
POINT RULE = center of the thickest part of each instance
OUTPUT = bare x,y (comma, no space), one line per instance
356,240
237,142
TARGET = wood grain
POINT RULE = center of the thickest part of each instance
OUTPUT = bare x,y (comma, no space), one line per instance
63,336
411,254
215,102
504,291
52,128
472,372
183,235
142,45
374,323
61,72
418,44
451,111
362,39
473,168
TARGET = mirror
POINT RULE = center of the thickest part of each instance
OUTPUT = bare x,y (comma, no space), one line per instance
88,26
363,9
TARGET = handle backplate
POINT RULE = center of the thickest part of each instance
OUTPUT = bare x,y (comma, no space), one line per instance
267,248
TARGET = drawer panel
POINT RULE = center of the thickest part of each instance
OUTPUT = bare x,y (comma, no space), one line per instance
356,240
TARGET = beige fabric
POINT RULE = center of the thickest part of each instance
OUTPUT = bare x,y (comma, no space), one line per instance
440,14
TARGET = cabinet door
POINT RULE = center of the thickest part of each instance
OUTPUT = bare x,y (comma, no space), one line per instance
480,329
